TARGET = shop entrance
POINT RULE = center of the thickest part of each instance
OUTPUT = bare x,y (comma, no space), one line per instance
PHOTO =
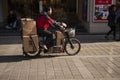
24,8
64,10
31,8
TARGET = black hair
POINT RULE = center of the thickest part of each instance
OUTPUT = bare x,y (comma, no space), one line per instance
112,7
46,9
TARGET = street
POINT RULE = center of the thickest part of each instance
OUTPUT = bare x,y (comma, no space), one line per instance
98,60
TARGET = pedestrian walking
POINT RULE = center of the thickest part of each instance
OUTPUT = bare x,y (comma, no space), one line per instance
111,22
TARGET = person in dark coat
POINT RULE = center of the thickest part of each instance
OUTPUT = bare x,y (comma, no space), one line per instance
117,20
11,18
111,21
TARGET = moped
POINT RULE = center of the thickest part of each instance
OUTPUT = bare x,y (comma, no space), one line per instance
64,41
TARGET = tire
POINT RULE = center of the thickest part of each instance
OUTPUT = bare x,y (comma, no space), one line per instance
32,54
76,47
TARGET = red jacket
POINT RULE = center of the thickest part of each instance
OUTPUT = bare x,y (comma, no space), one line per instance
43,22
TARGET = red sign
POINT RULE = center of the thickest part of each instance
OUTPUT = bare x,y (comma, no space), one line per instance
103,2
101,10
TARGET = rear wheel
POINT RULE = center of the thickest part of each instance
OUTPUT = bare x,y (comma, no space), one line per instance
32,54
73,50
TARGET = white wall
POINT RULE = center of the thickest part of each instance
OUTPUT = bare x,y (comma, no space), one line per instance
98,28
94,27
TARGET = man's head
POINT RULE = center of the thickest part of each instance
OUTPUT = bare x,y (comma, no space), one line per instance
48,10
112,7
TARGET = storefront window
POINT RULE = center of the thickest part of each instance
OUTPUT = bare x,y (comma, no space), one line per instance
24,8
117,2
101,10
31,8
84,9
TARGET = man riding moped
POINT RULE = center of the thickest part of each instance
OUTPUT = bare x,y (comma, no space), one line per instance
44,23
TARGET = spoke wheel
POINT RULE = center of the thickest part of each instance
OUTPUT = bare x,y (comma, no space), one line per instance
73,50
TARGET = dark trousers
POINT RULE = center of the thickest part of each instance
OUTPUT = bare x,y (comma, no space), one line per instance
112,29
47,34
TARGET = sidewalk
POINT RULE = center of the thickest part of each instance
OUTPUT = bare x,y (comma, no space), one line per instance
98,59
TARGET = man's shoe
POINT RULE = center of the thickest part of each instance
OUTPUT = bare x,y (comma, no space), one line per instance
45,47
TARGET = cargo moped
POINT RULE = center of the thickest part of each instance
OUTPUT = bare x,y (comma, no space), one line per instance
64,42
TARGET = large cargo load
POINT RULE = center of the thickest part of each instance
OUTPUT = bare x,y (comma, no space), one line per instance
28,27
30,43
59,37
29,35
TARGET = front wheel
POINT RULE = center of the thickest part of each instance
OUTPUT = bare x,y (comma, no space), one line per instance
74,48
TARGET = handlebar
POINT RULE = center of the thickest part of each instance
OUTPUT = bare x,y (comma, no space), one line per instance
62,25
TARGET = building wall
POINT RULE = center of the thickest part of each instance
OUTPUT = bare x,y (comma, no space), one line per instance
94,27
91,26
79,9
3,10
1,17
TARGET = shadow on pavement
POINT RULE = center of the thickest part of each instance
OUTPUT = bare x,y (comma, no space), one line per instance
82,38
18,58
10,40
13,36
93,38
12,58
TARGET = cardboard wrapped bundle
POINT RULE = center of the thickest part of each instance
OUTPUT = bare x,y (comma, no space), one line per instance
30,43
59,37
29,35
28,27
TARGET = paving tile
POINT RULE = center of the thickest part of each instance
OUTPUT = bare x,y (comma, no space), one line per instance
41,69
57,69
15,71
108,68
83,70
74,70
33,70
99,68
65,68
91,68
7,71
50,74
25,70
